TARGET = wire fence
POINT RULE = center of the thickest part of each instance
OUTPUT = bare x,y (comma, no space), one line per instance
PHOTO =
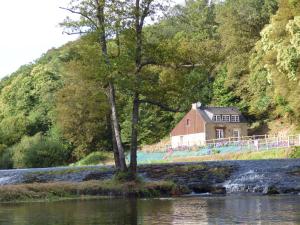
217,146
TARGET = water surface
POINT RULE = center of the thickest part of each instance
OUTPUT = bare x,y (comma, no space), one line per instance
243,209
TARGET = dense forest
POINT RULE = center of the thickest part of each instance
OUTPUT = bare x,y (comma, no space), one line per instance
245,53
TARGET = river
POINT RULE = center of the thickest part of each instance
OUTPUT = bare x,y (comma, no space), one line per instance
230,209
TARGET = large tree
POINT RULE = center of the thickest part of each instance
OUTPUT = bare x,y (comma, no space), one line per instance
110,21
104,19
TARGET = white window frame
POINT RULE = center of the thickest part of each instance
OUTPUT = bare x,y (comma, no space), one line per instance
235,118
217,118
219,133
226,116
238,131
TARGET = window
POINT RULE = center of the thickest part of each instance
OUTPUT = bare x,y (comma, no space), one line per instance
235,118
236,133
217,118
219,133
188,122
181,141
226,118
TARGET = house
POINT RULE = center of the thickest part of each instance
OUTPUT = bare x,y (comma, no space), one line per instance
206,123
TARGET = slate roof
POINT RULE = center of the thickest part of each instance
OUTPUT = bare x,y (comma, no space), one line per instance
220,111
223,110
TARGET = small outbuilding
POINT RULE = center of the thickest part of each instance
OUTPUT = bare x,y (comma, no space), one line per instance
203,123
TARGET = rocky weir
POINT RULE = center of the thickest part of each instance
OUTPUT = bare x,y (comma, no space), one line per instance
260,176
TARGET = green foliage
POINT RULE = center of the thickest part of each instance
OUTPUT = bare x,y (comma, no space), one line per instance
275,65
222,95
240,24
295,154
39,151
83,116
6,161
216,151
122,177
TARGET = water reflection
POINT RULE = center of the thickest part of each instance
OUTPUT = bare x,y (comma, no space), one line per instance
191,210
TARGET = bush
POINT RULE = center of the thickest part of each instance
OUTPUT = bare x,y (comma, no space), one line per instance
94,158
5,158
295,154
216,151
39,151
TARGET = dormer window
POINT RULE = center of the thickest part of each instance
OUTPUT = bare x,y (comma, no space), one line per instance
226,118
217,118
235,118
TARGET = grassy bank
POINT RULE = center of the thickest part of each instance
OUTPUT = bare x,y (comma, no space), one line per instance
284,153
96,158
100,158
250,155
63,190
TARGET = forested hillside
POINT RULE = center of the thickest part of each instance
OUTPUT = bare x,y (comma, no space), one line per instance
244,53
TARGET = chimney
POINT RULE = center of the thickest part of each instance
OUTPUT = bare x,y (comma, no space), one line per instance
197,105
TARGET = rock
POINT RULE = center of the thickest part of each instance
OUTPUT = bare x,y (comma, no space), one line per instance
31,178
97,176
271,191
218,190
200,188
206,188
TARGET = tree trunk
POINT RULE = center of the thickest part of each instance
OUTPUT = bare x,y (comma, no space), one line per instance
134,135
139,20
111,89
116,127
115,147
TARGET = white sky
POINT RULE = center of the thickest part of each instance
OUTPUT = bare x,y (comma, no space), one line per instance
28,29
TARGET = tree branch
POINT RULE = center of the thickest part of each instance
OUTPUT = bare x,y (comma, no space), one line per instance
189,65
81,14
145,13
161,105
76,33
146,63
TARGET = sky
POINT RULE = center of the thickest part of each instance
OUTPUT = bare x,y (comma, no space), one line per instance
28,29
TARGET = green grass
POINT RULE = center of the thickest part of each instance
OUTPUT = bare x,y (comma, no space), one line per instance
250,155
295,154
95,158
64,190
282,153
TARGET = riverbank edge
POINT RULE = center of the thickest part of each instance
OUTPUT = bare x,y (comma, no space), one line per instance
44,192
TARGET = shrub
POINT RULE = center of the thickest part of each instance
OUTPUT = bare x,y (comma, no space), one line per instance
295,153
39,151
5,157
216,151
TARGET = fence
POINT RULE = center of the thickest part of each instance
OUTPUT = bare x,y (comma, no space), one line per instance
258,142
225,145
